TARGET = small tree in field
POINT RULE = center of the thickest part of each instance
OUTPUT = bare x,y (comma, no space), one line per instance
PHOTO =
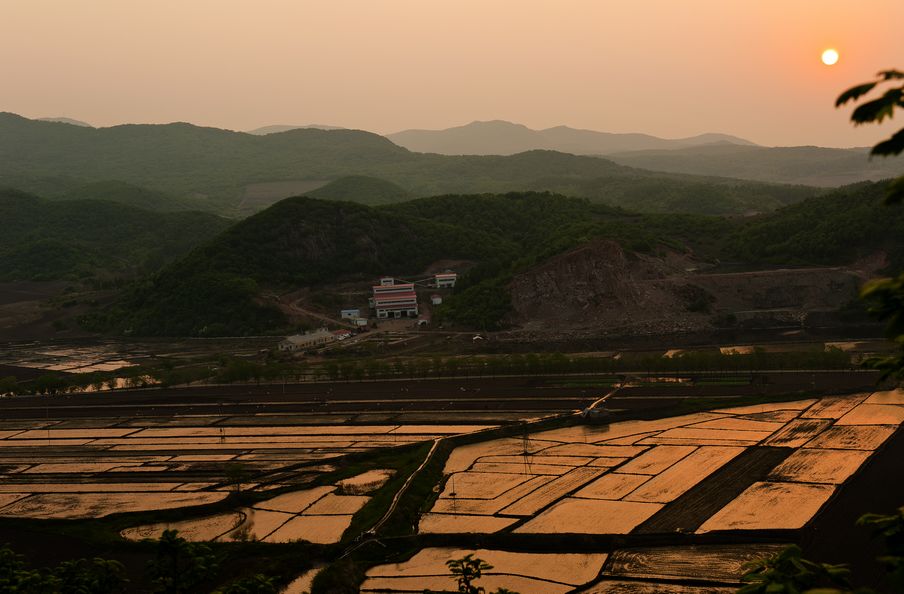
468,570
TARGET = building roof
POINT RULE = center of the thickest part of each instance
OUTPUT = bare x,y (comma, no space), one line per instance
395,297
391,288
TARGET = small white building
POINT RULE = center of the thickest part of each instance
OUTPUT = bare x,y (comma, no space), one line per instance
436,299
308,340
386,281
348,314
359,322
445,280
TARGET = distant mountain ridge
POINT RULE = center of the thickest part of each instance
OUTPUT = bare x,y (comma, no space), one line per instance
62,120
809,165
222,171
277,128
499,137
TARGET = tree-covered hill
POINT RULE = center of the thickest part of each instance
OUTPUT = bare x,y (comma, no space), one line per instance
809,165
212,169
297,242
128,194
84,239
183,159
304,242
843,226
361,189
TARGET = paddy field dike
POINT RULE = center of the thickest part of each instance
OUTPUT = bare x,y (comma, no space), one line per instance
674,499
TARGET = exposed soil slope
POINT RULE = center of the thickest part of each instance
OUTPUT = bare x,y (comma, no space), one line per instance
598,288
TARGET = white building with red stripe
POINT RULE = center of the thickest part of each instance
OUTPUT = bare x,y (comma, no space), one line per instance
394,300
445,280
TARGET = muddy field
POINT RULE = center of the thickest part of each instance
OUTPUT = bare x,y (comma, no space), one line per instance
778,463
85,468
571,510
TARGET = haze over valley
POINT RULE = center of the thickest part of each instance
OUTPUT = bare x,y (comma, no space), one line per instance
476,297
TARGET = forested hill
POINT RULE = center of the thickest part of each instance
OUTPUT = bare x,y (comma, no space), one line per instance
303,242
846,225
92,239
296,243
183,159
128,194
361,189
232,173
808,165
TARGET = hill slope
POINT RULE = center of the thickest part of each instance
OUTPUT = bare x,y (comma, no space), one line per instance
303,242
499,137
277,128
362,189
81,239
846,225
810,165
213,168
295,243
128,194
64,120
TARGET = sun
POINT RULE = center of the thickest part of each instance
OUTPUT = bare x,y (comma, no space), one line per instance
829,57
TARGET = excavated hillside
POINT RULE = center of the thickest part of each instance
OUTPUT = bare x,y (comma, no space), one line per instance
598,289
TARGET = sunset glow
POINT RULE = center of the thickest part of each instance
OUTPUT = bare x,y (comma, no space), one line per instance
302,62
830,57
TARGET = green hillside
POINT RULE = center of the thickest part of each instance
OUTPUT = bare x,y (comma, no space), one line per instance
213,168
303,242
128,194
809,165
84,239
297,242
361,189
843,226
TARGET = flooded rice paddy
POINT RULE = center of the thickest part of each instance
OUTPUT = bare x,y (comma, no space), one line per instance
617,479
94,467
629,571
729,471
528,573
319,515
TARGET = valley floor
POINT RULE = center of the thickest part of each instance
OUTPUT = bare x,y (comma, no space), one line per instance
276,462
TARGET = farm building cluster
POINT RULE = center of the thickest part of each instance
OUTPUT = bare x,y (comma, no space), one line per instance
394,299
390,299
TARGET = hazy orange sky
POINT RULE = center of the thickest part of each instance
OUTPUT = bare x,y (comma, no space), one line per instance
667,67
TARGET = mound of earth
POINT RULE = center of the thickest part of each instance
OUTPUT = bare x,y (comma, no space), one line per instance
600,289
